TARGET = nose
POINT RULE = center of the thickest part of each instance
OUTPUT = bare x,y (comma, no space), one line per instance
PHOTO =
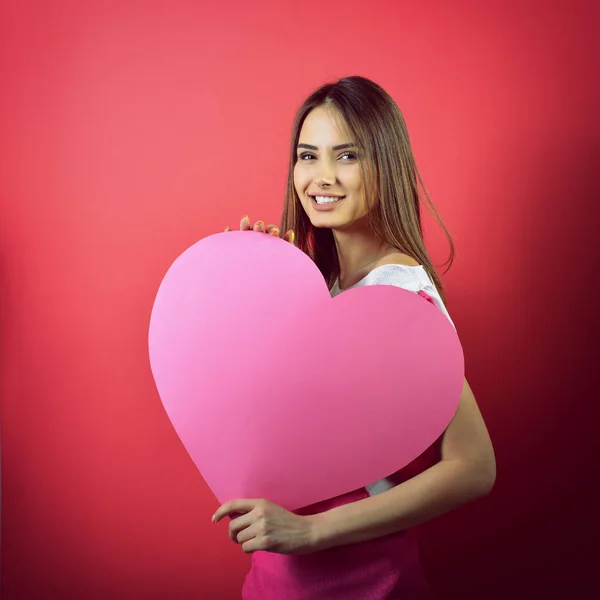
326,174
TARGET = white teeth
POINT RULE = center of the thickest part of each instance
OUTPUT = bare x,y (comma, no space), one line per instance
326,199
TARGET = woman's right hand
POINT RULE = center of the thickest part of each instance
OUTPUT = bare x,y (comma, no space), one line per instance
246,225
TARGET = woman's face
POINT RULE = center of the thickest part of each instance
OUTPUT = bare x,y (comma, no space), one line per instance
327,174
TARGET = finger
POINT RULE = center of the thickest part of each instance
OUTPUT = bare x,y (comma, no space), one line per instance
245,223
238,525
289,236
247,534
252,545
259,226
241,506
227,228
272,230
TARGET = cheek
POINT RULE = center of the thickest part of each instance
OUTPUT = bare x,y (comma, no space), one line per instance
358,181
301,182
297,180
358,191
353,183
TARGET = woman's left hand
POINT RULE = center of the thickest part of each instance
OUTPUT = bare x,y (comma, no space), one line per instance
262,525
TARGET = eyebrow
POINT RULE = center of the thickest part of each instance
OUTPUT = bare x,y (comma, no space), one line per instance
335,148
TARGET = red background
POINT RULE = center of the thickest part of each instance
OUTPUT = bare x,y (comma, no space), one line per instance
129,130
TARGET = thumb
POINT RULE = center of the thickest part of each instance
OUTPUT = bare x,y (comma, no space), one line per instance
233,509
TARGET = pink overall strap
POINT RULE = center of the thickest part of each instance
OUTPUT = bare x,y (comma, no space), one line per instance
426,296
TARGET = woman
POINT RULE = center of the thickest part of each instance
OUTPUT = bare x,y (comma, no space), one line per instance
353,205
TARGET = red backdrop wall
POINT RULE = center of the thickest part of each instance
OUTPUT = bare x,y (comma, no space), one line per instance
129,130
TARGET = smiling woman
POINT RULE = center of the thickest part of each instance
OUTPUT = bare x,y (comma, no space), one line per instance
327,176
354,199
350,140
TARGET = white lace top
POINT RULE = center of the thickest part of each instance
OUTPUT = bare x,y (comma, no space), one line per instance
413,279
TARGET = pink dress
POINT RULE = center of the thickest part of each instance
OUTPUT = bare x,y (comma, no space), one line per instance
386,568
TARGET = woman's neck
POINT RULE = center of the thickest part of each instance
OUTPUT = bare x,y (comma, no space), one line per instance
358,253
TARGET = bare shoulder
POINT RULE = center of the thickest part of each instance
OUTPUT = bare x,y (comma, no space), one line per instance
397,258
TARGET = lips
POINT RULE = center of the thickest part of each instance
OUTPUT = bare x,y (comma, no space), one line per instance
326,202
325,199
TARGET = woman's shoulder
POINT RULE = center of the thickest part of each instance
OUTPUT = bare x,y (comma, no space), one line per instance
411,278
403,271
397,258
399,269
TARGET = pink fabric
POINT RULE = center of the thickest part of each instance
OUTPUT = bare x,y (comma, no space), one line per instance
386,568
426,296
382,569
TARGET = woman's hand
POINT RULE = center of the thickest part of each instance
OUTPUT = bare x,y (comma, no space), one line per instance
246,225
263,525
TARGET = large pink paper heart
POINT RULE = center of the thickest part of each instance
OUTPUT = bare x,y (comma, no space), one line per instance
278,391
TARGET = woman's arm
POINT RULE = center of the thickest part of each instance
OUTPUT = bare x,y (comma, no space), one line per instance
466,471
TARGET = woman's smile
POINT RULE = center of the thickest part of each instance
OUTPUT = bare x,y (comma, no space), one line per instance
325,201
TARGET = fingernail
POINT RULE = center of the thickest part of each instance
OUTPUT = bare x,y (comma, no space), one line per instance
227,228
245,217
213,519
292,235
274,231
260,225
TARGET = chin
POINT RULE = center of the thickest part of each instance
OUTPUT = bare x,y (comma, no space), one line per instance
339,221
327,222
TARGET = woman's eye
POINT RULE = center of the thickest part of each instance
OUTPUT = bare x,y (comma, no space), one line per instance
306,156
348,155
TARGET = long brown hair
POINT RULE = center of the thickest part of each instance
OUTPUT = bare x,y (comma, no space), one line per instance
393,184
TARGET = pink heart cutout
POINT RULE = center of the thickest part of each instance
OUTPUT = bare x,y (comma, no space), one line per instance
277,390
